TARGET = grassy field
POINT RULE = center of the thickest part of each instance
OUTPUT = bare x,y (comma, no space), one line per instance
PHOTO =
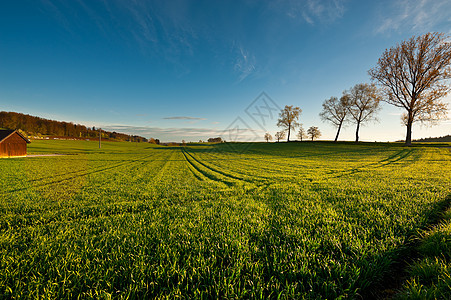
313,220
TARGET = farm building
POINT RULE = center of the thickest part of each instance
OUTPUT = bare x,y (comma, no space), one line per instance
12,143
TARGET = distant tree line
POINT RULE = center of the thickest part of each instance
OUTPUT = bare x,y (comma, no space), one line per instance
446,138
288,120
36,126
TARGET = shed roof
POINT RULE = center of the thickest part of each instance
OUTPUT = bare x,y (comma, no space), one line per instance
5,133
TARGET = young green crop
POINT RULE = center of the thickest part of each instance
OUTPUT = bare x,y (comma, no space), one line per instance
289,220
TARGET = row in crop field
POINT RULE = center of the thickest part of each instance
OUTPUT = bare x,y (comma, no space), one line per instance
290,220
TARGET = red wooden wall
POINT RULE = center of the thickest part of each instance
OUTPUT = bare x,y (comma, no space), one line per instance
13,145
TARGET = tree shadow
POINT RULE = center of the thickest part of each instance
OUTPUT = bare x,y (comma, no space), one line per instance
365,276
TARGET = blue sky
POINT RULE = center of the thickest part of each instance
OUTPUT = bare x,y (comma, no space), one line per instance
188,70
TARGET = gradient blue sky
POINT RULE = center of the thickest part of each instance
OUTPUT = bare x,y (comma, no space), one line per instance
184,69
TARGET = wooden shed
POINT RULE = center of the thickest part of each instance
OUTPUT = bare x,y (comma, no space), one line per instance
12,143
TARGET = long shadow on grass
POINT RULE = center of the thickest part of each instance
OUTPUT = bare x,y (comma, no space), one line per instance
394,274
292,263
396,157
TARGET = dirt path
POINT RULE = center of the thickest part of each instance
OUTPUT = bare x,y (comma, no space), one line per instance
41,155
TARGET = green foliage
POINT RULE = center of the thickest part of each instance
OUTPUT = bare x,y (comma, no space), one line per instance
430,277
279,220
437,242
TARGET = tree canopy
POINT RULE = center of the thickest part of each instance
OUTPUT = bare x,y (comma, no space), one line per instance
335,111
364,100
279,135
313,132
413,76
288,118
301,132
268,137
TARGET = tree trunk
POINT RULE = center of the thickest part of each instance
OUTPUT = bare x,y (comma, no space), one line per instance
409,132
289,128
357,132
338,132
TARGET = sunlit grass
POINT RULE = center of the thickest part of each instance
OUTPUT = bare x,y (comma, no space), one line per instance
314,220
430,275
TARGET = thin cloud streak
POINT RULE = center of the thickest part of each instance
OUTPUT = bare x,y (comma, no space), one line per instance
174,133
245,63
312,11
183,118
174,39
57,14
414,15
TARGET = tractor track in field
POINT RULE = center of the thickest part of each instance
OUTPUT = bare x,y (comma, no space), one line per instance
157,177
80,174
249,166
84,170
258,183
204,173
263,168
283,164
194,170
392,158
214,169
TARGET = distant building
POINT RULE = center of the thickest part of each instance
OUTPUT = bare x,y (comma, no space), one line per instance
215,140
12,143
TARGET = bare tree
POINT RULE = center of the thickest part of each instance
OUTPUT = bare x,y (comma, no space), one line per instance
335,111
279,135
413,75
364,100
313,132
268,137
288,118
301,132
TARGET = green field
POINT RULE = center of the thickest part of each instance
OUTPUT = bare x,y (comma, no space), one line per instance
288,220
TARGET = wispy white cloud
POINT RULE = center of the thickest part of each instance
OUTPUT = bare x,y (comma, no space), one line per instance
183,118
161,29
143,29
413,15
313,11
159,131
235,133
244,64
133,22
56,13
173,133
